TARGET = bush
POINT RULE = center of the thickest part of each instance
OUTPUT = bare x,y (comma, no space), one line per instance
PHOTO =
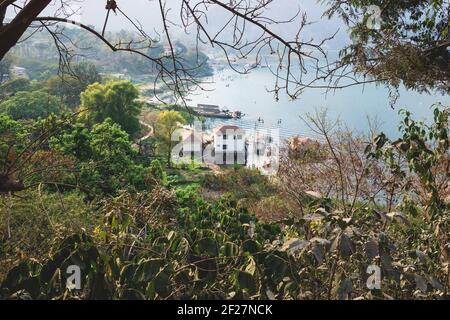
34,222
173,243
241,182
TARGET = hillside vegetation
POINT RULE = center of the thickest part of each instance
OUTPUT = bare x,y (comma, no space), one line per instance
78,187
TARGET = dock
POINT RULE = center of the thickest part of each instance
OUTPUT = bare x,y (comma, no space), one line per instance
214,111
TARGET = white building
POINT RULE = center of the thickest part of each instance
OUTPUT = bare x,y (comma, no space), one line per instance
4,77
263,150
189,148
18,72
229,145
167,50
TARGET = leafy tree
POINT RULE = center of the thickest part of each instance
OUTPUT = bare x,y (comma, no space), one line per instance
426,151
11,87
76,142
86,73
115,100
168,122
31,105
156,173
151,118
24,146
70,87
10,133
410,46
68,90
104,157
186,113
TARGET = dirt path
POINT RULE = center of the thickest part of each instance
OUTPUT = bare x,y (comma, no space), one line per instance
149,133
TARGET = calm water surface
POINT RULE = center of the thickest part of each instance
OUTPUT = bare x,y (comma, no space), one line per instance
248,93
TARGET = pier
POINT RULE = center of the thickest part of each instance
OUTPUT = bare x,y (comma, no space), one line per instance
214,111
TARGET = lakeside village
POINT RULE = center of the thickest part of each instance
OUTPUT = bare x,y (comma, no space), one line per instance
231,145
228,145
221,145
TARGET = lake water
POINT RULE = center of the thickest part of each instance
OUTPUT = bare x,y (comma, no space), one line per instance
248,93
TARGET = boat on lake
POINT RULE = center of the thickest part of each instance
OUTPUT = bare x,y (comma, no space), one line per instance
214,111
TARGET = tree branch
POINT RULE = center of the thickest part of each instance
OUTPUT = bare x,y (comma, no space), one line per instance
13,31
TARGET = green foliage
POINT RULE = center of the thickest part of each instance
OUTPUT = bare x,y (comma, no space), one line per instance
11,87
217,251
115,100
86,73
411,46
32,226
425,148
187,114
31,105
9,130
28,158
69,88
156,173
175,259
168,122
11,137
241,182
104,157
154,241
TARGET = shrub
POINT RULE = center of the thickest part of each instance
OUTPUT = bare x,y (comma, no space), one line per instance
34,222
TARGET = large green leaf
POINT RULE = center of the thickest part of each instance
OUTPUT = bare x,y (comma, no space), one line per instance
244,280
207,246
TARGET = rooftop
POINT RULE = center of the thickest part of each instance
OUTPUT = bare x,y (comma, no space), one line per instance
224,128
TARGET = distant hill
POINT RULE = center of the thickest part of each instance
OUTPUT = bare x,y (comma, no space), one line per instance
39,55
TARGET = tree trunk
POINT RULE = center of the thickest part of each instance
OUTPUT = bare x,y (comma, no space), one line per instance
9,185
13,31
169,155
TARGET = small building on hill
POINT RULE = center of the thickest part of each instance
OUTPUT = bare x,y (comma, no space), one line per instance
18,72
189,147
229,145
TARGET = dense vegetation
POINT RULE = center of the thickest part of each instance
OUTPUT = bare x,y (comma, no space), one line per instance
77,190
87,176
401,42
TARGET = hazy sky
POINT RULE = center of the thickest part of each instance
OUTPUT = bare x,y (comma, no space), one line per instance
147,12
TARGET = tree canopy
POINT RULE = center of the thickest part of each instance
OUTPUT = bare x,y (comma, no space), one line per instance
409,46
31,105
11,87
104,157
115,100
70,87
168,122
